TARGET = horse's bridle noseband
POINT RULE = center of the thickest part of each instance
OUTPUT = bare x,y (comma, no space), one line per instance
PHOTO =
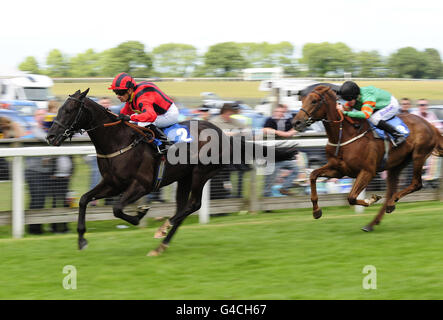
69,132
311,119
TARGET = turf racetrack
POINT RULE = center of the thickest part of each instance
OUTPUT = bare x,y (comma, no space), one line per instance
284,255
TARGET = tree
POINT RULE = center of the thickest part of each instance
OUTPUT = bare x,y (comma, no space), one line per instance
29,64
434,66
175,59
85,64
224,59
57,64
130,57
367,64
407,63
323,58
267,55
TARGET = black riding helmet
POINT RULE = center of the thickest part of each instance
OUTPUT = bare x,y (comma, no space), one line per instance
349,90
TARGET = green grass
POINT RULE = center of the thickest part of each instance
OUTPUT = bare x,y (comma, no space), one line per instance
432,90
283,255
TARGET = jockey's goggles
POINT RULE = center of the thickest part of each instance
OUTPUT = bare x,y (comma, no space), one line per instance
120,92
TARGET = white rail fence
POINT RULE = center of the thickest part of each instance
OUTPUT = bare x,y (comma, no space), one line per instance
254,202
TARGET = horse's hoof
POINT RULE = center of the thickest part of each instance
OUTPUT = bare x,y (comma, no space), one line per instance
82,244
376,198
153,253
390,209
367,228
161,248
317,214
143,209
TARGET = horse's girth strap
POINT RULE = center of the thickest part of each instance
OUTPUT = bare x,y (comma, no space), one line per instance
117,153
160,172
349,141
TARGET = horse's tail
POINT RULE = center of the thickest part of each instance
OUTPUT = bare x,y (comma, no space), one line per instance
438,150
243,151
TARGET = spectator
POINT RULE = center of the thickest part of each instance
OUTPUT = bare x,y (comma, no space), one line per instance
37,172
280,126
61,172
105,102
432,163
221,186
62,169
225,121
405,104
202,113
423,112
53,106
10,129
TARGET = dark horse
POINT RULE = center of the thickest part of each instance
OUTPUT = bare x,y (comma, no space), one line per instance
128,162
353,151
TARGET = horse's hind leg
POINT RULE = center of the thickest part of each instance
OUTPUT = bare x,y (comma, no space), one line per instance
416,183
392,183
182,196
199,178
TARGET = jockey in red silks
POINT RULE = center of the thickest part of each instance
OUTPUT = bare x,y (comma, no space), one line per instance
146,104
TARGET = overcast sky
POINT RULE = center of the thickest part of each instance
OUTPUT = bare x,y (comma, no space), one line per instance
33,28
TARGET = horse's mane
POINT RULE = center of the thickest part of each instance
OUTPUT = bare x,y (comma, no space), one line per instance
327,90
102,109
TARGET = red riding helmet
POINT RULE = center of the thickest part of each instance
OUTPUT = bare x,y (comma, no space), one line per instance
122,81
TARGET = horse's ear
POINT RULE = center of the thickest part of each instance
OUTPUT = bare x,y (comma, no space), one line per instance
83,94
78,91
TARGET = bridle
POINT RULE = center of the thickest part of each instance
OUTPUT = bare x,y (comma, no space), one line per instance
69,132
311,120
322,101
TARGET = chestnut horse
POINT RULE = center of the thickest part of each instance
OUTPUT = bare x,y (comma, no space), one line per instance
353,151
128,162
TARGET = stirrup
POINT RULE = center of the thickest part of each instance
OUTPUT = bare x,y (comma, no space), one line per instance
396,143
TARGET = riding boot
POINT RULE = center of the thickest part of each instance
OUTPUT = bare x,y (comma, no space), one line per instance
399,138
160,135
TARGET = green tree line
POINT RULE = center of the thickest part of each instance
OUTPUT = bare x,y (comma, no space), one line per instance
227,59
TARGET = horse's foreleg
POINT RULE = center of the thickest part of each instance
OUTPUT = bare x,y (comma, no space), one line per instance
98,192
326,171
130,195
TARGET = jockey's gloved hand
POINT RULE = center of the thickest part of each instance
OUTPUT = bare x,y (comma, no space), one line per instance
123,117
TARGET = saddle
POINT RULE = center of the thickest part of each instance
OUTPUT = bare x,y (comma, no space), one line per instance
395,122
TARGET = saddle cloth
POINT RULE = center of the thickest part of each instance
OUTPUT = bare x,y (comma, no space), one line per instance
178,133
397,123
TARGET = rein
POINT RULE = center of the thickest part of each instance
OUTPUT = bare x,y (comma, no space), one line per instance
69,132
133,144
311,120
